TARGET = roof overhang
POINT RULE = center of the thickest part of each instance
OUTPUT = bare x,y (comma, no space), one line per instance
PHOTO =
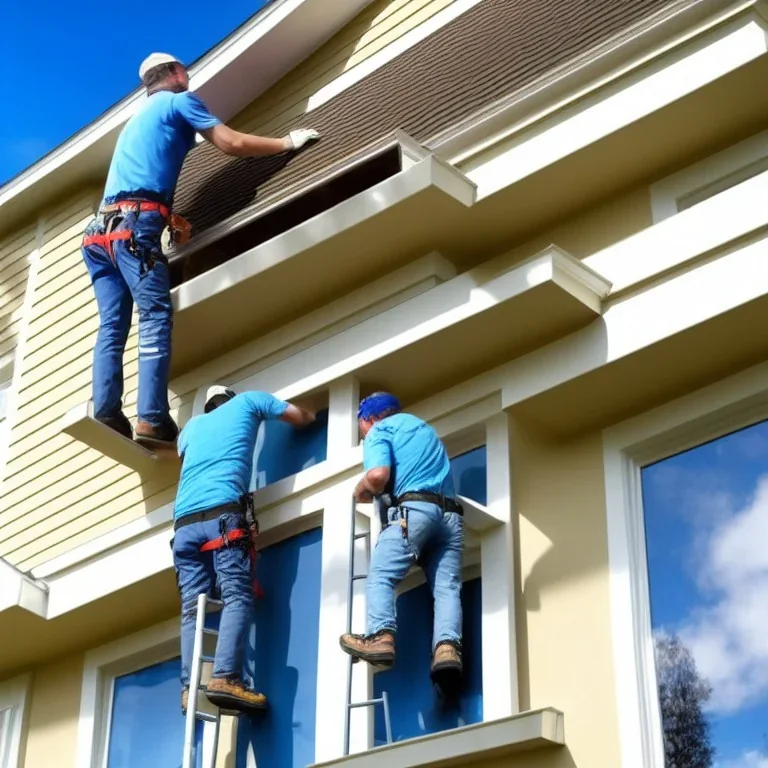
228,77
354,242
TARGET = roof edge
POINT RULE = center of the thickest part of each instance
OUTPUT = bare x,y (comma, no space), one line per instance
298,26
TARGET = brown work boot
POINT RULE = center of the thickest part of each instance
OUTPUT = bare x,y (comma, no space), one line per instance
119,422
377,649
228,693
184,701
151,436
446,659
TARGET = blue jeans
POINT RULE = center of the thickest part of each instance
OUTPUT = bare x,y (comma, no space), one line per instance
138,273
436,540
228,568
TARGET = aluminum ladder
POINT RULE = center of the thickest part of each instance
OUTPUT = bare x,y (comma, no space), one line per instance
353,577
198,659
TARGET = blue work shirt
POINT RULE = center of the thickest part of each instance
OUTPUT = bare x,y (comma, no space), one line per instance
151,148
413,451
217,450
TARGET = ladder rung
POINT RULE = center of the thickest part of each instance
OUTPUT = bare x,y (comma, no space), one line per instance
207,659
207,717
361,535
369,703
360,576
218,603
208,631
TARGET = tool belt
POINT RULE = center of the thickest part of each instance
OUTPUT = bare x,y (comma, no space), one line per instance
446,503
244,537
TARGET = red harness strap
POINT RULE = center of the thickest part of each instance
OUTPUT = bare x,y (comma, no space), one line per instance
238,533
105,241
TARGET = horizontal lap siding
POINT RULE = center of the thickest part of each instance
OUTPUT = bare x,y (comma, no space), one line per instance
58,493
15,253
379,25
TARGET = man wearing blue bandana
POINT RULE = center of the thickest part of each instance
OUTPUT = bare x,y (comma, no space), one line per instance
405,459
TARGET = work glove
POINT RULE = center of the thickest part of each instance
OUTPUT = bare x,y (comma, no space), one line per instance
298,138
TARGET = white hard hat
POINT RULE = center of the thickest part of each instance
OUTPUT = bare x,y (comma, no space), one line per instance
218,389
155,60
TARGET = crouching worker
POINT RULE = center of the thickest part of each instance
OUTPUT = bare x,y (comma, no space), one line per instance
212,531
404,457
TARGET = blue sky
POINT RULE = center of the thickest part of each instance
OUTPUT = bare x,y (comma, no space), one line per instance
59,71
707,537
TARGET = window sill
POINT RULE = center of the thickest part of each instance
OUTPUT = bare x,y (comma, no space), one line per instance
80,424
527,731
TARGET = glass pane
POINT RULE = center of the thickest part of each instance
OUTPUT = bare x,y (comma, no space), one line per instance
147,725
282,655
415,707
469,475
706,518
283,450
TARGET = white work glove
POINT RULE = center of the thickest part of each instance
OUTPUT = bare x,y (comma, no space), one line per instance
298,138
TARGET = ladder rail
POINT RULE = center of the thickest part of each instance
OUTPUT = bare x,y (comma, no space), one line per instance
196,668
354,537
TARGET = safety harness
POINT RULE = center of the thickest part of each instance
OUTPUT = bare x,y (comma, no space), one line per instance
179,228
238,537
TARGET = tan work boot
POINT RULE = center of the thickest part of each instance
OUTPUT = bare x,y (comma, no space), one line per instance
184,701
156,437
228,693
378,649
446,659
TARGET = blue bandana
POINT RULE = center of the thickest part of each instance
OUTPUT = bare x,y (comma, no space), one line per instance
376,404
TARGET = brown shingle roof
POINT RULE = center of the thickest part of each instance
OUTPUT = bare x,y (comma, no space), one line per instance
486,54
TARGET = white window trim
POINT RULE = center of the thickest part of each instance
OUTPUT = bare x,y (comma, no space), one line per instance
13,697
668,193
721,408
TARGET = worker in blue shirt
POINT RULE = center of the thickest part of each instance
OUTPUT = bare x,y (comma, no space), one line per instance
404,458
212,542
122,244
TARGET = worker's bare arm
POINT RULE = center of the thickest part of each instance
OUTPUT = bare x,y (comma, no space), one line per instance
239,144
371,484
298,417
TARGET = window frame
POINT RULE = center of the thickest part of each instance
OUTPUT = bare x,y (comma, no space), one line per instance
14,698
726,406
669,192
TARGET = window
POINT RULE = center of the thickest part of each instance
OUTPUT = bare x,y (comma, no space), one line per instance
687,511
282,655
12,712
709,177
289,450
416,709
146,725
706,525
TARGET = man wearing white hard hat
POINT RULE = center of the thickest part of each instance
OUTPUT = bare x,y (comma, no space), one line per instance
122,245
214,530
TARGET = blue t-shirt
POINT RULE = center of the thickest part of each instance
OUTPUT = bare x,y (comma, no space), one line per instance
217,450
410,446
151,148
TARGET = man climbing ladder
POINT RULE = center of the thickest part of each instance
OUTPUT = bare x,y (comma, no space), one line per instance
122,249
212,540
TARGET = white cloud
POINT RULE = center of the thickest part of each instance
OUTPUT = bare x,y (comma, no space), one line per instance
747,760
728,634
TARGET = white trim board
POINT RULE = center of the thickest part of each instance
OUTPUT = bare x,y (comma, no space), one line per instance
13,700
585,118
668,194
716,410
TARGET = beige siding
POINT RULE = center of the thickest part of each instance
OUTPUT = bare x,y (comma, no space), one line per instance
382,23
564,631
58,493
53,714
15,254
